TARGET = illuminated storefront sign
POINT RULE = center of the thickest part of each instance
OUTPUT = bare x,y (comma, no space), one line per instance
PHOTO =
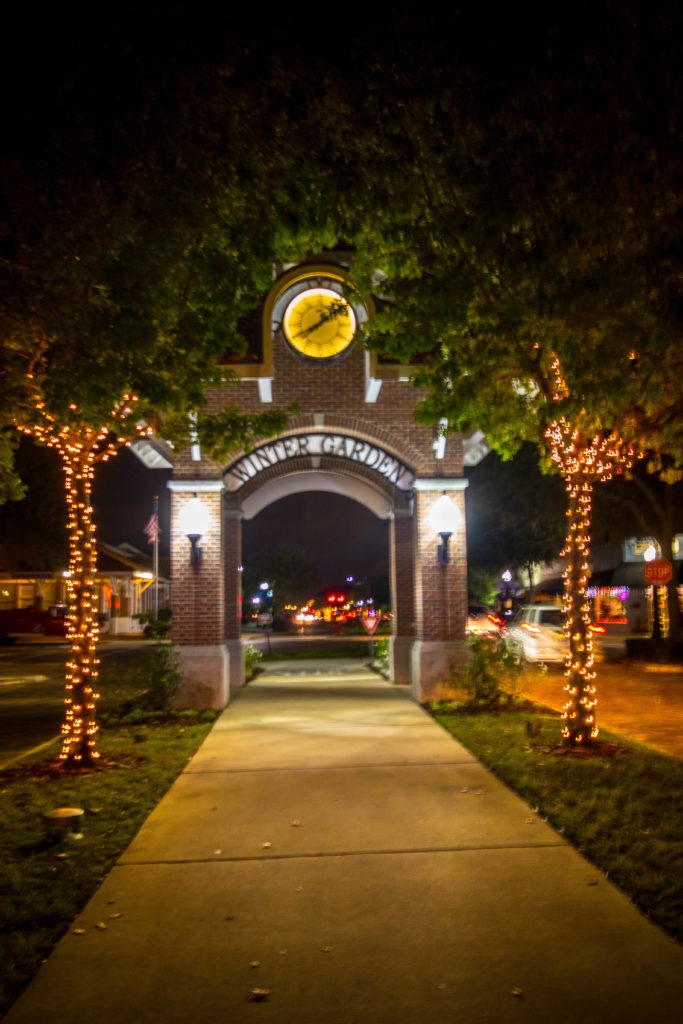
337,446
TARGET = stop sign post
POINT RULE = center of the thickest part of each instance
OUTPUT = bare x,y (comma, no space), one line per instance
370,623
658,571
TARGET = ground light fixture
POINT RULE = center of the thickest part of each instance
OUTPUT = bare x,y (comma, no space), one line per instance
444,519
194,523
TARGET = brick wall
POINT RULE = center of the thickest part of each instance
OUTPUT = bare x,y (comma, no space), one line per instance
336,392
198,591
429,600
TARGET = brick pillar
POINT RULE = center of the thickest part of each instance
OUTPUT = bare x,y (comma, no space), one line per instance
198,599
232,548
440,594
402,583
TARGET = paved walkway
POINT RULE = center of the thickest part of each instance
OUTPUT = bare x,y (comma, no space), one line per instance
331,849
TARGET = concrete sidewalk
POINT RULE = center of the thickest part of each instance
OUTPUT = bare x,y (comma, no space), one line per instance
331,844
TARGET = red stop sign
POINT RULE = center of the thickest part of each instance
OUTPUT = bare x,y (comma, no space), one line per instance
658,571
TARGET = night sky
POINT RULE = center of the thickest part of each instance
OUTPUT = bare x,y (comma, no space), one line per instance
123,498
342,537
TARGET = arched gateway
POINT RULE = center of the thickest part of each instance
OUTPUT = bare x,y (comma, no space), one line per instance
354,434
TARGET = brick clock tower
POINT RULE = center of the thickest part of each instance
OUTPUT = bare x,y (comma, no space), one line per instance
353,434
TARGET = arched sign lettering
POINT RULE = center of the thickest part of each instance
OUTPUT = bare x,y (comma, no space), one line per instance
339,446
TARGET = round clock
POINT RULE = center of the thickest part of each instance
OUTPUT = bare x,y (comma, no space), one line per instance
319,323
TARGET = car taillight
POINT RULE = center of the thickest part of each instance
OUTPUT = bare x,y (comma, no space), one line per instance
597,629
530,628
495,620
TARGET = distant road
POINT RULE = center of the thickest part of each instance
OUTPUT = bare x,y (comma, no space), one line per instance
633,700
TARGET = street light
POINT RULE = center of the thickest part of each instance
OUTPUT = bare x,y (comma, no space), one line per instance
444,519
194,522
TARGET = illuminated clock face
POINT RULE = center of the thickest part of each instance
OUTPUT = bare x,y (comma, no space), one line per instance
319,323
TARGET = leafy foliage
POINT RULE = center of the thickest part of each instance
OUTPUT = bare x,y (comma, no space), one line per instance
483,585
537,215
11,487
491,676
290,571
252,657
158,677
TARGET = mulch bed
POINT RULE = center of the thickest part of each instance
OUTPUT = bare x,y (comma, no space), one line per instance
58,770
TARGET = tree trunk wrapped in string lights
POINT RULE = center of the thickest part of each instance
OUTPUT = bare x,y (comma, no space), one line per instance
583,461
80,448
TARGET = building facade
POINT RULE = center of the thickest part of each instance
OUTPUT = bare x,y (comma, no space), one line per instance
353,434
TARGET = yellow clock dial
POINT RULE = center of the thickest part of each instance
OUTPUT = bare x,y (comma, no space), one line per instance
319,323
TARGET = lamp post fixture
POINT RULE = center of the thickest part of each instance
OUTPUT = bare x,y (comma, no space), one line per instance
444,519
506,591
194,523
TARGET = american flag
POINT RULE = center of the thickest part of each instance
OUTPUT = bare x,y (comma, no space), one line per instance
153,530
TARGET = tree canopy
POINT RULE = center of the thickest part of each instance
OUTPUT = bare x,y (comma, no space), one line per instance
516,181
510,185
537,216
151,176
530,251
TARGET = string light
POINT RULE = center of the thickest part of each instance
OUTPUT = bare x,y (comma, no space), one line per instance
80,448
583,461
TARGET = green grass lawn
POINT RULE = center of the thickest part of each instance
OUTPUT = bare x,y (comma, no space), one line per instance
43,883
621,809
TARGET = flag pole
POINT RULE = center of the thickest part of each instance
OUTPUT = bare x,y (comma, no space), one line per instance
155,563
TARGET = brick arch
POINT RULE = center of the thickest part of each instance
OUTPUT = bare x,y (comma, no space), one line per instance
330,481
353,480
367,466
362,398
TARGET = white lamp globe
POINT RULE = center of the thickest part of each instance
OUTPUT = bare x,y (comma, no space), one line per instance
194,518
444,516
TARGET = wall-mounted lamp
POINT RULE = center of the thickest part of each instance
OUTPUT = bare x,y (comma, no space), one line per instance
194,522
444,519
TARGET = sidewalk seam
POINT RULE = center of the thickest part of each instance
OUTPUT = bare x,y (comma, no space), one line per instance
470,762
412,851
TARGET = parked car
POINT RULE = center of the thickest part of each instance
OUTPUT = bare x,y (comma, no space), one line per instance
51,621
481,621
536,634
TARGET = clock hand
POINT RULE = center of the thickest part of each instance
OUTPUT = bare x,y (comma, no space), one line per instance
325,318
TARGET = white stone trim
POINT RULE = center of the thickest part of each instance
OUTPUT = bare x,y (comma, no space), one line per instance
265,389
440,484
373,387
358,489
196,486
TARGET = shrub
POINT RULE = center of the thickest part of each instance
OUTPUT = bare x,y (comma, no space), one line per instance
380,661
155,628
252,656
491,677
157,678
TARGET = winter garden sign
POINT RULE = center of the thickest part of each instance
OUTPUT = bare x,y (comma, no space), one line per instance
318,445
